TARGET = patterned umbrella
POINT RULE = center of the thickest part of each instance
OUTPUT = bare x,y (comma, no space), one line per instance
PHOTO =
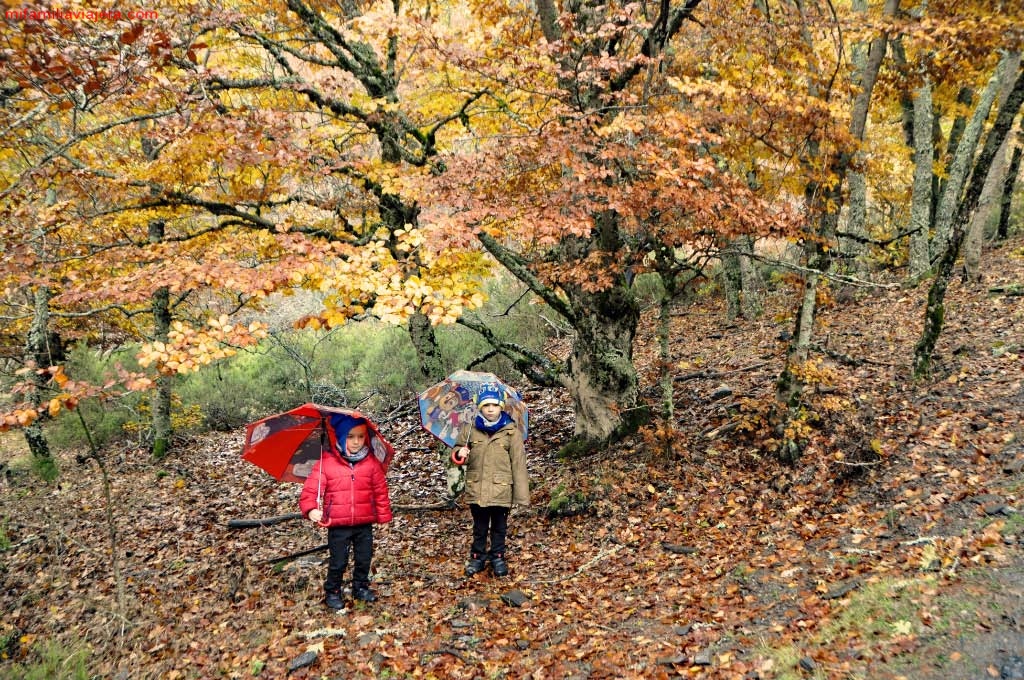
287,444
451,403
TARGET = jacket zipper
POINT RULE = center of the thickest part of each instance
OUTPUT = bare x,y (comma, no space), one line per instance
352,494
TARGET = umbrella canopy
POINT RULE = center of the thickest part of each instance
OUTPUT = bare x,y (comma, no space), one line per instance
451,403
287,444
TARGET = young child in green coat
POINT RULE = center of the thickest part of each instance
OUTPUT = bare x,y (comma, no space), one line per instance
492,450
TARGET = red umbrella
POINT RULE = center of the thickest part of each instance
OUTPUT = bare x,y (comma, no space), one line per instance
287,444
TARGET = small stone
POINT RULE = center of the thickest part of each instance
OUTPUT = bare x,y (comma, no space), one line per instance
1014,467
461,623
702,658
807,664
301,661
673,660
522,644
514,598
684,630
368,639
841,589
720,392
996,508
1012,669
679,549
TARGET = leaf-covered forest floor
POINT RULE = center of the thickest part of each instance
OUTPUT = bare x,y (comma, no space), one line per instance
892,549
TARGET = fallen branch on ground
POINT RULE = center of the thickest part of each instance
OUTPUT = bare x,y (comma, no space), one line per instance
265,522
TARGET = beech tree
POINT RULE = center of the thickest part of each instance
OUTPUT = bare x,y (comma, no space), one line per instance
350,114
598,171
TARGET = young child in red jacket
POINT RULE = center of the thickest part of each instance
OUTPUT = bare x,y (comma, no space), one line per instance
347,493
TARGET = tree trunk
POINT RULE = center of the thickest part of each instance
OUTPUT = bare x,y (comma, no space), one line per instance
935,310
161,405
867,61
602,379
731,281
789,387
37,353
750,280
425,341
921,200
665,382
990,193
856,217
824,203
965,97
1007,200
961,163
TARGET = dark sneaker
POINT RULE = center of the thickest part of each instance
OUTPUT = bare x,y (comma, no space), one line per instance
334,601
475,565
364,593
500,566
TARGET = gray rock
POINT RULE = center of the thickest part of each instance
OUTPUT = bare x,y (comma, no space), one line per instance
514,598
301,661
720,392
677,549
368,639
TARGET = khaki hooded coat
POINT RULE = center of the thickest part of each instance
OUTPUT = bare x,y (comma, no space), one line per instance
496,467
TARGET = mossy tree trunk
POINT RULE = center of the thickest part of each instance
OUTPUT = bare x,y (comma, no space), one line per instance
985,215
935,311
960,166
602,379
1003,231
921,194
37,352
160,408
427,351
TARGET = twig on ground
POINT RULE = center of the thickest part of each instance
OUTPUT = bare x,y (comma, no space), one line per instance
600,556
447,650
264,522
717,374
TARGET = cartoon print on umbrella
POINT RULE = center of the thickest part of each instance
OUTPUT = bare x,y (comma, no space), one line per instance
448,405
287,444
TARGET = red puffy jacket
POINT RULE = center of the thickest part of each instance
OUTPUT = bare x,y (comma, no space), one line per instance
353,494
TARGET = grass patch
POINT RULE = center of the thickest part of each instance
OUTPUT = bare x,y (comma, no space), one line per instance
878,616
49,660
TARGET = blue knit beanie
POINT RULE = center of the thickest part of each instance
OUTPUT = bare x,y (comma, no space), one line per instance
490,394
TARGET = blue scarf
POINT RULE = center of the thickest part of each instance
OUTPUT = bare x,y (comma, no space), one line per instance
489,427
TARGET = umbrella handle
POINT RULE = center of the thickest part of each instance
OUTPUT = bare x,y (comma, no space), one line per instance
320,470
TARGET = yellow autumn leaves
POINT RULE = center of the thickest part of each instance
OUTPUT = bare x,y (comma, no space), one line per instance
187,348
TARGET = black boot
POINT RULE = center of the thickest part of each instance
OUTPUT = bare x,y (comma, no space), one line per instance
499,565
333,600
361,591
475,564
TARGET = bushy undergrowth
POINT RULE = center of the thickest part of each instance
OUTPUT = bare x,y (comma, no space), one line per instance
367,364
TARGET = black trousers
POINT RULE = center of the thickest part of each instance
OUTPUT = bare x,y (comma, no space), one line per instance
489,520
339,539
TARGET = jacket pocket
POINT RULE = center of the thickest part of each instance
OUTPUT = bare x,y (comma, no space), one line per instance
504,478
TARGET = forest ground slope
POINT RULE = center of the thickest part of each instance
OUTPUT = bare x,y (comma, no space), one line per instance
894,548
